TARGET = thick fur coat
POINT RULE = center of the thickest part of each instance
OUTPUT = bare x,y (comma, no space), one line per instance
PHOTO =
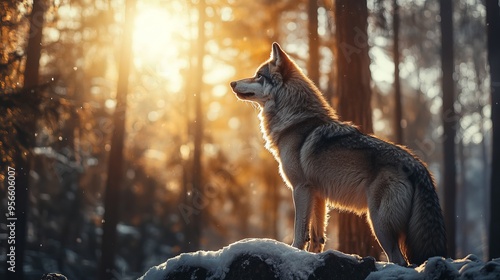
329,162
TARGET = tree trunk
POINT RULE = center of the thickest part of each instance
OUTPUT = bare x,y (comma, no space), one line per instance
493,27
313,63
398,129
354,92
33,51
74,214
461,232
270,205
23,157
197,199
115,165
449,119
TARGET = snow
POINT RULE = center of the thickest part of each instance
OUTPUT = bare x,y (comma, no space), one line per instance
391,271
289,261
470,267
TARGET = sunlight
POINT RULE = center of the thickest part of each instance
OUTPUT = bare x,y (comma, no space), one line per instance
162,37
382,68
152,33
157,41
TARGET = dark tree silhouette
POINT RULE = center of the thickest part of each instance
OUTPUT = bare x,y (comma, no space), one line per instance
449,118
115,162
26,130
354,93
196,200
397,84
312,27
493,29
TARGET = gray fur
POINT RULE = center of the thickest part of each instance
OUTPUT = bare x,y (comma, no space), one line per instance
329,162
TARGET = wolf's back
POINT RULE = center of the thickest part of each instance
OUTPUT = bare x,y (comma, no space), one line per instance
426,236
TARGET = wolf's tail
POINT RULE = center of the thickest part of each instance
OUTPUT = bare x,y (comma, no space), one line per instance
426,236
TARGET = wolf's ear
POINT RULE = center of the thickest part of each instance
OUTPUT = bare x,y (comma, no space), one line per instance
277,54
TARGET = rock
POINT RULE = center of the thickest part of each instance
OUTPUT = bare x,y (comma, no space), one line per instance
267,259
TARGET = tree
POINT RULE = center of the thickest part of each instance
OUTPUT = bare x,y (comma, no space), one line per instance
115,165
312,27
449,118
493,29
13,21
23,157
354,104
397,84
196,199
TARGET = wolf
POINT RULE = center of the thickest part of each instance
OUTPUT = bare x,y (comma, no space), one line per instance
329,162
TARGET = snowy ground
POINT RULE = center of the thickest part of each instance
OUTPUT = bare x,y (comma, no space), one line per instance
270,259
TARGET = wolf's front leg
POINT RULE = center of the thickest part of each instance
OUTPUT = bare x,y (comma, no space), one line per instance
302,200
318,224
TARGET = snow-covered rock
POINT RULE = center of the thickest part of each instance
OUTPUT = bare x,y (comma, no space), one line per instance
270,259
469,267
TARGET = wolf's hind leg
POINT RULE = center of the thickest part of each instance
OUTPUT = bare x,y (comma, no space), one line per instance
318,225
302,199
386,237
388,214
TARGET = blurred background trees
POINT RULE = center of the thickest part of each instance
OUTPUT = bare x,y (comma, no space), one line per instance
493,27
449,119
353,86
195,174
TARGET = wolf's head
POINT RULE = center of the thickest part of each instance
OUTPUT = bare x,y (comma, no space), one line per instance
272,74
283,91
285,95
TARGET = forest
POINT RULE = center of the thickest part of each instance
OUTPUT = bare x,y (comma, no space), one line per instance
122,144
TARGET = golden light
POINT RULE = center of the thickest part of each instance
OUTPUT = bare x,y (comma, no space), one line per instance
153,32
158,40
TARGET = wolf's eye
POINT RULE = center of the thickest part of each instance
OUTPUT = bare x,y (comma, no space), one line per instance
259,75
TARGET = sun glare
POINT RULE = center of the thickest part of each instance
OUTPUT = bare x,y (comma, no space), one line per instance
156,44
163,33
153,32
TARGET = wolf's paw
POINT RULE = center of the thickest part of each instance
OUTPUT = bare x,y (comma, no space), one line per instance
317,245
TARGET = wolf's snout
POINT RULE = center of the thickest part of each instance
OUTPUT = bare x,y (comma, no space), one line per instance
233,84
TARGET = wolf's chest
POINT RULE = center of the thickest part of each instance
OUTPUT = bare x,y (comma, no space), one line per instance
288,156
